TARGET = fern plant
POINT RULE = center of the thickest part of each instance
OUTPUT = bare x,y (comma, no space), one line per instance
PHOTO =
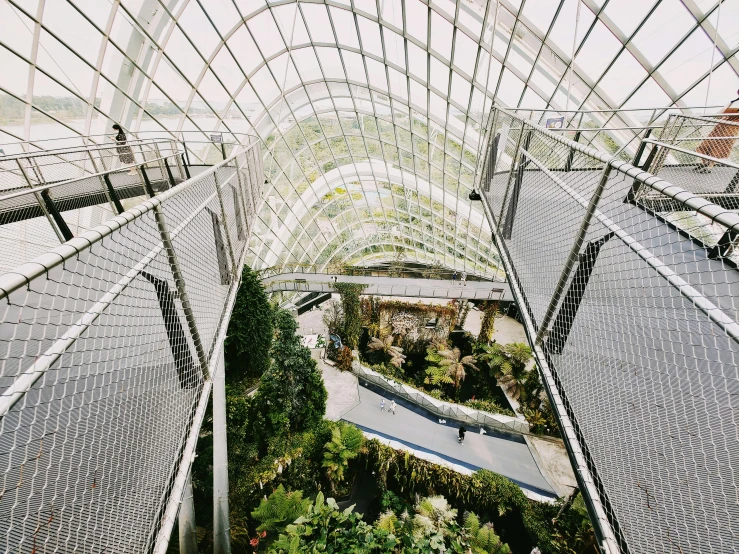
483,539
279,509
345,444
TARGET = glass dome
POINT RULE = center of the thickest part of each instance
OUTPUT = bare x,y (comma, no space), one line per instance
369,111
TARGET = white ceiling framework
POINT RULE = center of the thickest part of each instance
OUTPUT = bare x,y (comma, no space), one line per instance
370,108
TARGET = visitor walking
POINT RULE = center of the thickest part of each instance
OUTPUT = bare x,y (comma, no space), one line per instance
382,405
454,278
392,406
125,154
463,280
462,431
721,139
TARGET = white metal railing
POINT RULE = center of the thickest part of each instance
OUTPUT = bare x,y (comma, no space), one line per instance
110,346
632,309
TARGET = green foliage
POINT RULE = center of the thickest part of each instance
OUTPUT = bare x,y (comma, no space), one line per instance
352,316
345,444
490,312
490,406
448,366
344,359
394,354
250,330
433,528
279,509
291,397
333,317
507,363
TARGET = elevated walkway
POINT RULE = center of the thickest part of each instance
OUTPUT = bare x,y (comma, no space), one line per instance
390,286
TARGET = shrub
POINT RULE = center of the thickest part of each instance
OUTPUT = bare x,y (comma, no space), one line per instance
250,330
344,359
279,509
345,444
352,312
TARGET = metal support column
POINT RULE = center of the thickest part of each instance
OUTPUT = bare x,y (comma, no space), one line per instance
186,521
221,527
514,158
574,255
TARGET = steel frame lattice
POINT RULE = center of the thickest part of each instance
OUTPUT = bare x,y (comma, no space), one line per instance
360,96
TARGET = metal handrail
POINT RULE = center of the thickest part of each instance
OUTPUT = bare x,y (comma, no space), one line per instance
41,188
722,161
91,148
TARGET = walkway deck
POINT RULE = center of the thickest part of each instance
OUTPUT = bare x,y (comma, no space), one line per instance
391,286
510,458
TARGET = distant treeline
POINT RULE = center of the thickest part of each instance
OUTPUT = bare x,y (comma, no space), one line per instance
12,110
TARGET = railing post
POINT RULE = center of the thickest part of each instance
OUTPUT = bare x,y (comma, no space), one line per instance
40,201
571,155
113,194
574,254
642,147
221,527
514,159
60,223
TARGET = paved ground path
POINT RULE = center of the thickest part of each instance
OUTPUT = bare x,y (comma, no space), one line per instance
506,457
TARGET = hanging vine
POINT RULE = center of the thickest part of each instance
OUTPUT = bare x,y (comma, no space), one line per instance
352,312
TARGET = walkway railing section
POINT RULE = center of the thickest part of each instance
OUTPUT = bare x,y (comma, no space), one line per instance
456,412
47,198
634,325
109,345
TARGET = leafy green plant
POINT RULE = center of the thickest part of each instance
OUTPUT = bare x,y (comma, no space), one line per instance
448,366
490,313
351,307
345,444
394,353
250,330
291,396
507,362
483,538
344,359
279,509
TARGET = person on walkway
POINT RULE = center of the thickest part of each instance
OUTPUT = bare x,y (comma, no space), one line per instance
125,154
454,278
392,406
721,139
463,280
462,431
382,405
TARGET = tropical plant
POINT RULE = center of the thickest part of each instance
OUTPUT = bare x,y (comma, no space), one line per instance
351,307
433,516
507,363
490,313
395,353
250,329
333,317
291,396
344,359
345,444
449,362
279,509
483,539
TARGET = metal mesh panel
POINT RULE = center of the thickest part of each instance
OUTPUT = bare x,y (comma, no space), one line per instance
106,347
636,324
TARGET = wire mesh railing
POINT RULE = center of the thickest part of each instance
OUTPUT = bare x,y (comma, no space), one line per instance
40,207
108,347
634,325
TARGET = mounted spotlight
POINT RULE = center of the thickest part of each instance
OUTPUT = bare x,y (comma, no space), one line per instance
474,195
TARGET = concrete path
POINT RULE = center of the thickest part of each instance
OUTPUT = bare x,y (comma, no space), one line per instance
342,388
506,457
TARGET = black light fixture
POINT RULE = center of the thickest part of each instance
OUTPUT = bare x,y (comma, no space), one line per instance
474,195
